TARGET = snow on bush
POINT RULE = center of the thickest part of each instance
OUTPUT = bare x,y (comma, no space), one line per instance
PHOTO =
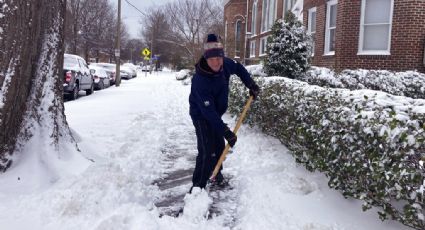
369,144
256,70
288,48
410,83
182,74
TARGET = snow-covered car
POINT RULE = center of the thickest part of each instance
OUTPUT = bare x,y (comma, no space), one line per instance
101,78
126,72
109,68
182,74
125,75
132,67
77,76
145,68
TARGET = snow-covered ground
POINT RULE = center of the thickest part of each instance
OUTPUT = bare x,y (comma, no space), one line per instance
124,130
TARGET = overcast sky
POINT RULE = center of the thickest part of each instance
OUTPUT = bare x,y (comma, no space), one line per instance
131,16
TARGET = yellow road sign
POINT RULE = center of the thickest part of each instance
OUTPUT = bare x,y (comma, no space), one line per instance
146,52
147,58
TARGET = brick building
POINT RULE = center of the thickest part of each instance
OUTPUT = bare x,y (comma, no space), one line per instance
248,24
347,33
368,34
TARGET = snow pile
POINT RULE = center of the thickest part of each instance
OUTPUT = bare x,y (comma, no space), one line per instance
196,204
182,74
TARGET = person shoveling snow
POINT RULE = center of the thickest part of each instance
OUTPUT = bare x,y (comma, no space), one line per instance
208,102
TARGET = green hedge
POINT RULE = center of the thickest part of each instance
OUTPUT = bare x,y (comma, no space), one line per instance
368,143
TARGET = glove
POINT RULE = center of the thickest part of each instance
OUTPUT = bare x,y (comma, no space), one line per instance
254,90
230,137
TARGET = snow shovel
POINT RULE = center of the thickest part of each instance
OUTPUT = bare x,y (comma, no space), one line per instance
226,149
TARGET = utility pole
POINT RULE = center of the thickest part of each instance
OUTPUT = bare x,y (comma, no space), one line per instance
117,48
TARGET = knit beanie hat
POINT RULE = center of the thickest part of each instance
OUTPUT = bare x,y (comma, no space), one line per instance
213,48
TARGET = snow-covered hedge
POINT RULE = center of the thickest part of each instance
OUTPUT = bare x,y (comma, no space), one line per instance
409,83
368,143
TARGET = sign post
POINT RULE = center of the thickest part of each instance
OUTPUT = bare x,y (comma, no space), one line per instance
146,52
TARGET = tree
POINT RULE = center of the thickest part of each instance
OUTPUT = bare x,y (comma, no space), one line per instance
191,21
31,79
91,28
157,34
288,48
132,50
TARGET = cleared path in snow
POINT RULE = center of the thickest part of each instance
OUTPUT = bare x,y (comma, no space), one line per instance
142,141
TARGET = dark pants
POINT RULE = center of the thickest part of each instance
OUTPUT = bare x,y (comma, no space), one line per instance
210,148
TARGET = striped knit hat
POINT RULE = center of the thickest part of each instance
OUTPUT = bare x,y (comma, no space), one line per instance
213,47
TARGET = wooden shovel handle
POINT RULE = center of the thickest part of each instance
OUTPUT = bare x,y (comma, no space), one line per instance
226,149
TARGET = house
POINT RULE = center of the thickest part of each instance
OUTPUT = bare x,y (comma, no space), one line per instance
347,34
248,24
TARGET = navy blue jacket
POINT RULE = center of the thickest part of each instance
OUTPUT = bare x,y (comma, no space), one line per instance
210,91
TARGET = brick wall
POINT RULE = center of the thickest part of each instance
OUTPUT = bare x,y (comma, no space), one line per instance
407,37
257,37
319,59
234,10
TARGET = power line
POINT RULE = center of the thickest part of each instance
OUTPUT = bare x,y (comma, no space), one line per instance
135,8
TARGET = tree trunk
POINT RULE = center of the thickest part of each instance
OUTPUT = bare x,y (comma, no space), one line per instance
31,78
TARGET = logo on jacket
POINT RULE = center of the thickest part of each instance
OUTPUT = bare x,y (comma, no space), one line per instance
206,103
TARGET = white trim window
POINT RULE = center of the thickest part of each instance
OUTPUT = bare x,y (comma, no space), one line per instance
312,27
330,35
254,18
252,48
263,46
271,13
375,27
238,38
288,6
268,15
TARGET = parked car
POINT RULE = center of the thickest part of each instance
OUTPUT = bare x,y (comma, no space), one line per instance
126,73
109,68
101,78
145,68
77,76
132,67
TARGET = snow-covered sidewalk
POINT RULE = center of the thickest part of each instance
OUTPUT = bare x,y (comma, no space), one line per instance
129,130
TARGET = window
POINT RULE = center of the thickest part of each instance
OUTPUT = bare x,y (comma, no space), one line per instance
254,18
288,5
238,38
264,16
263,46
331,12
375,27
252,49
312,27
271,14
268,15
